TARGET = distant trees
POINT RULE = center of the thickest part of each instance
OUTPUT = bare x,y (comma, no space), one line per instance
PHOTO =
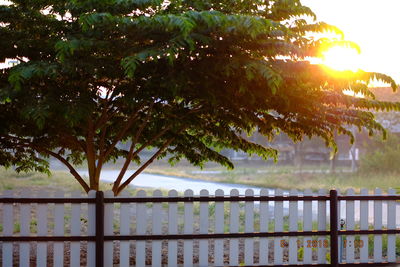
184,77
381,156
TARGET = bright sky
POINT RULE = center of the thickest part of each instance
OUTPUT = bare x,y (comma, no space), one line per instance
372,24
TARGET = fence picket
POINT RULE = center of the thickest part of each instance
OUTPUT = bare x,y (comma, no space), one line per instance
41,251
364,226
59,231
391,224
91,231
378,225
293,226
75,230
108,228
124,229
188,229
249,228
173,229
307,226
322,244
203,243
264,221
234,228
8,229
350,224
157,224
25,221
141,220
278,218
340,245
219,228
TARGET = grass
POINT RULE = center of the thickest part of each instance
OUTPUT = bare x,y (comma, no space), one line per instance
59,180
253,173
10,180
284,177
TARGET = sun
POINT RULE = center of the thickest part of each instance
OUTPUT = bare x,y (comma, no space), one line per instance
341,58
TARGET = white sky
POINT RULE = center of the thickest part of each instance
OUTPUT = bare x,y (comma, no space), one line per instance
372,24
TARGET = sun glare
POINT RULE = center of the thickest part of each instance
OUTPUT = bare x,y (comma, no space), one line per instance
341,58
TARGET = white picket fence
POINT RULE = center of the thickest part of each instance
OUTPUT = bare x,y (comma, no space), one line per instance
196,218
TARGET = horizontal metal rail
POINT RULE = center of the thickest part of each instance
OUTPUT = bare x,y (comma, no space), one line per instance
47,200
215,236
382,197
191,199
46,238
369,232
215,199
161,237
194,236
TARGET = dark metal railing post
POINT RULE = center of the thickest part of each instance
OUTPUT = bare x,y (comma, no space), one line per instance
334,227
99,229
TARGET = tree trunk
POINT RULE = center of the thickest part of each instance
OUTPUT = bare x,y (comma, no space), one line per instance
333,164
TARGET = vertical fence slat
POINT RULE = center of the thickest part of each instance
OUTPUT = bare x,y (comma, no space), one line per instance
124,223
350,224
188,229
173,229
322,241
278,219
91,231
339,213
364,226
141,223
249,228
59,231
234,228
8,229
75,230
293,227
219,229
391,224
378,226
157,224
203,243
264,220
108,228
307,226
41,252
333,219
25,219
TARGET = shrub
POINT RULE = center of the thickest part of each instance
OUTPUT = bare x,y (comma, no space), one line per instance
382,156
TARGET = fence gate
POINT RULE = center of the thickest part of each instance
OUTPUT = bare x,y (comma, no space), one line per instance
267,229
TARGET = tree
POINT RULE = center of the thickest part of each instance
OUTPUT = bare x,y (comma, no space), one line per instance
187,77
381,157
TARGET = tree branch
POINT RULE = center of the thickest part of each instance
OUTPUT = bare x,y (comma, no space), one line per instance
123,131
138,171
27,143
73,141
100,160
132,153
91,155
70,167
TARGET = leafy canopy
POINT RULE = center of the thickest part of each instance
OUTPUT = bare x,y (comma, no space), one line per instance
187,77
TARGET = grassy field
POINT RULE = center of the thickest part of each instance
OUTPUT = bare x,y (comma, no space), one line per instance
249,173
59,180
286,177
